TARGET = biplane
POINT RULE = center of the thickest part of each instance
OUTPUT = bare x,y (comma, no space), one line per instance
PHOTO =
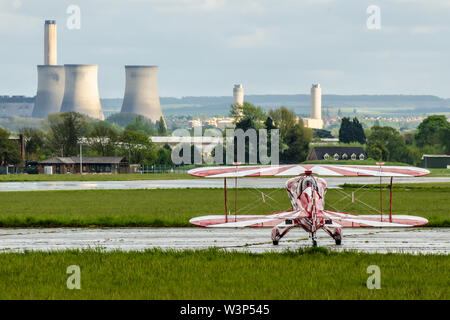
307,195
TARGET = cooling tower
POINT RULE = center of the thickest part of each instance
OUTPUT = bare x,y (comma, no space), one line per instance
316,102
81,90
238,94
50,52
50,91
141,92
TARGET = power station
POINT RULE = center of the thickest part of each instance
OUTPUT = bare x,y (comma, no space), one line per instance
141,92
51,78
74,87
81,90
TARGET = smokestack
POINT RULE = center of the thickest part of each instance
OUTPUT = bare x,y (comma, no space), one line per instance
81,90
316,102
50,51
50,91
238,94
50,88
141,92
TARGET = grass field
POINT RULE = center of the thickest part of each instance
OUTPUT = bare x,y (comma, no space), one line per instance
211,274
174,208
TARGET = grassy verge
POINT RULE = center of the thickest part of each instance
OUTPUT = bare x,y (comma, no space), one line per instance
174,208
439,172
212,274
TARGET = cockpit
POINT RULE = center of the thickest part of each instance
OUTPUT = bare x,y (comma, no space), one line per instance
307,182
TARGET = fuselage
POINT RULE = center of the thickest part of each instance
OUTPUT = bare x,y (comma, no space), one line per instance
307,194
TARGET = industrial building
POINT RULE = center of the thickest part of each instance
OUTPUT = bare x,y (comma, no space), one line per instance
141,92
436,161
68,165
315,120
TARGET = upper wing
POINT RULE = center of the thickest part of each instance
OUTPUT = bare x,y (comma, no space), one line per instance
352,221
319,169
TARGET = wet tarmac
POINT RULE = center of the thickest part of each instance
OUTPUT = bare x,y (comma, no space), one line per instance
373,240
259,183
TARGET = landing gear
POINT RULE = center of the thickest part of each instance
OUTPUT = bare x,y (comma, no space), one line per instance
314,239
275,236
337,235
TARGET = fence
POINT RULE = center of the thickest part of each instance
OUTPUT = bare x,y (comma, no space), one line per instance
12,170
166,169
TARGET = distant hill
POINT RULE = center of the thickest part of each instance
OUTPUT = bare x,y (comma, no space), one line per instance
385,104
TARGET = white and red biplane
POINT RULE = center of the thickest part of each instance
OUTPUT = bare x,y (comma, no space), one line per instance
307,194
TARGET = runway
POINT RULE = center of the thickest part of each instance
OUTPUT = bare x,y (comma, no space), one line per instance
373,240
259,183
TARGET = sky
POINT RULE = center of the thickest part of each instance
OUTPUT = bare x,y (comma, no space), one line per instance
204,47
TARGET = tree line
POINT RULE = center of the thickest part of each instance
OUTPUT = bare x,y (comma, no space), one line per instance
388,144
63,133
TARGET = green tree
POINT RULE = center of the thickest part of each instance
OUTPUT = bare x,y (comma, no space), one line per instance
431,131
162,131
103,140
34,142
252,115
164,156
389,141
358,131
284,119
351,131
65,130
297,139
143,125
9,150
445,138
122,119
137,147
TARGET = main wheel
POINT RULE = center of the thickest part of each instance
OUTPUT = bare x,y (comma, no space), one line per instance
314,243
337,235
275,236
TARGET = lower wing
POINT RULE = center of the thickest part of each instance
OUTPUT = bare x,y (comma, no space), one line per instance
353,221
241,221
339,219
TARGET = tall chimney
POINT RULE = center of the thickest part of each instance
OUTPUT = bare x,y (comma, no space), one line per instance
50,54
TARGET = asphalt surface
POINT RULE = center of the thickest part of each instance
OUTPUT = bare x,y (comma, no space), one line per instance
259,183
395,240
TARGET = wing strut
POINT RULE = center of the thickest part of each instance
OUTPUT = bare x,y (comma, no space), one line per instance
381,164
390,201
226,206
